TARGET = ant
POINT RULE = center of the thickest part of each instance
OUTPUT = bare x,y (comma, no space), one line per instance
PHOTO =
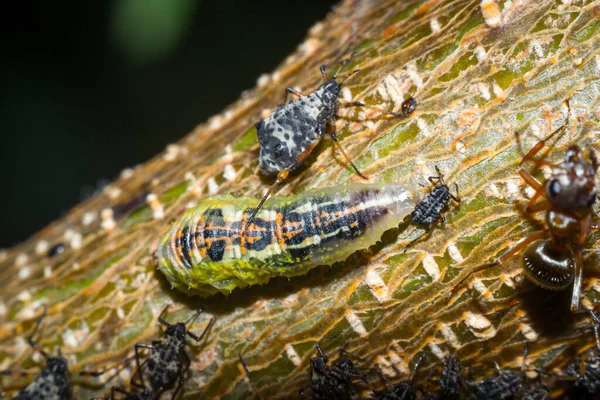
54,381
168,360
293,130
335,381
568,196
428,211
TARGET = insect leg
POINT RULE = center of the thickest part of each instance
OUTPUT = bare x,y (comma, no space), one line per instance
138,372
36,347
530,239
247,371
457,197
291,90
577,281
346,156
204,332
281,176
179,384
381,110
530,156
160,317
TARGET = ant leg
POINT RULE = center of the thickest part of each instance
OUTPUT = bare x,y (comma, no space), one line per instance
323,70
428,230
138,372
36,347
457,197
341,149
577,281
530,156
530,239
199,338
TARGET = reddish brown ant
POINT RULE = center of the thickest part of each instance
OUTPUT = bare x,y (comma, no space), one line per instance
568,196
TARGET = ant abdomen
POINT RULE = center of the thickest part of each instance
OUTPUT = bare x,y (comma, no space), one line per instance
548,265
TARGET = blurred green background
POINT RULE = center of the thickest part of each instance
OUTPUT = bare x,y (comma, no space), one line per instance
89,88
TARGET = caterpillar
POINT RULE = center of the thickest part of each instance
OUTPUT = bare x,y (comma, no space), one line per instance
207,250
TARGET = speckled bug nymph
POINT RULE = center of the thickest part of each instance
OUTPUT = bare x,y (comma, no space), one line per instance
293,130
428,211
54,381
168,360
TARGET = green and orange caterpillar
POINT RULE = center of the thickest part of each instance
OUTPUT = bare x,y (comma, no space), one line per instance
207,249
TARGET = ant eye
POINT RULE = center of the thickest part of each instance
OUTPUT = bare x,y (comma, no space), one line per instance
553,188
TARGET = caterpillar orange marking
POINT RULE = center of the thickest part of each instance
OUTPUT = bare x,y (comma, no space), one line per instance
207,250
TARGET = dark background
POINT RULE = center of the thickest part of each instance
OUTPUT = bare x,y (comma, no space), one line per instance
88,88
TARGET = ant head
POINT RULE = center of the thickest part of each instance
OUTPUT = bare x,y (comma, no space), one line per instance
549,266
572,185
57,365
178,330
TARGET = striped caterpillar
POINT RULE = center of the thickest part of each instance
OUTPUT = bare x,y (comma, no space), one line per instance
207,250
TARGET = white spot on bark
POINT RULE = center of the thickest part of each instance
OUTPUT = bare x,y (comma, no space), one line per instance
481,288
480,53
127,173
450,336
229,172
24,296
212,185
529,333
112,192
346,94
455,253
411,70
47,271
422,125
217,121
24,272
108,223
491,13
292,355
355,323
171,152
88,218
262,80
435,25
436,350
158,211
3,311
120,313
484,90
21,259
479,325
431,267
41,247
497,90
377,286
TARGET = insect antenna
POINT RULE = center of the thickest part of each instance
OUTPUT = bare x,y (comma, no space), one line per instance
281,176
35,346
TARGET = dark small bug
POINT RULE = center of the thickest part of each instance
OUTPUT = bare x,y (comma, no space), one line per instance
404,390
452,383
56,250
168,360
335,381
568,196
586,370
145,394
509,384
428,211
293,130
54,381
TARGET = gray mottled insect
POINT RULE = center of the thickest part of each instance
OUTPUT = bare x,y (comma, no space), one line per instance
428,211
145,394
54,381
168,360
335,381
293,130
586,370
